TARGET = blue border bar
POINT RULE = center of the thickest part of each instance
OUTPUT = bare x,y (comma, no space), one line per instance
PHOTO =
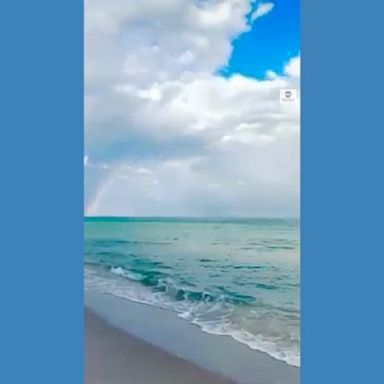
41,203
342,192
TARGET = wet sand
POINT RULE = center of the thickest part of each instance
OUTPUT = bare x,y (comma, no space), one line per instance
135,343
113,356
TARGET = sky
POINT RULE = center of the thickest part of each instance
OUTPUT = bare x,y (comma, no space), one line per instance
182,109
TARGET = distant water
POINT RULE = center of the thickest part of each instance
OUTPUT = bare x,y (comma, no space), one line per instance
234,277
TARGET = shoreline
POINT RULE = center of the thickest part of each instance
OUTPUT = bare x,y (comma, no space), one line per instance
163,330
113,356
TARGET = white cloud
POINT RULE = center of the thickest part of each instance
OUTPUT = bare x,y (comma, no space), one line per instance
166,135
293,67
261,10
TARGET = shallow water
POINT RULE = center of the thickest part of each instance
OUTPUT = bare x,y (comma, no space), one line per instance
230,277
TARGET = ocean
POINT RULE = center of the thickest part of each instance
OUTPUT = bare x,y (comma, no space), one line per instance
229,277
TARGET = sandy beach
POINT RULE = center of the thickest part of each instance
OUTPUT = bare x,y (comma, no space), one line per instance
134,343
115,357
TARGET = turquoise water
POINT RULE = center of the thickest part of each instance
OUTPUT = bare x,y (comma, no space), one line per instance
238,278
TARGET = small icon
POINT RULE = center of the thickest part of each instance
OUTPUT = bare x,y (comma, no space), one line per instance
288,96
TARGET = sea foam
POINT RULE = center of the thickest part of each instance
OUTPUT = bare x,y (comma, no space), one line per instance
129,288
